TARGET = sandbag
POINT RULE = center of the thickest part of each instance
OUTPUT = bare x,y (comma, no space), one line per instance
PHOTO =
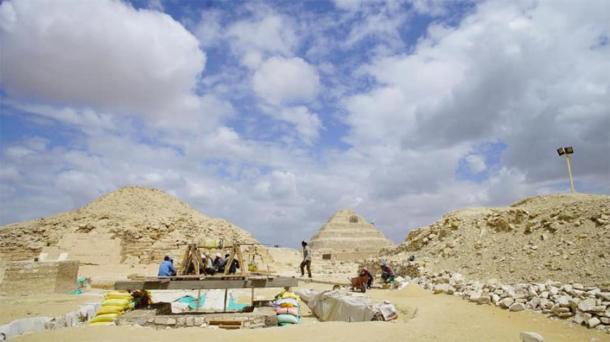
101,323
287,303
116,302
285,318
110,309
285,324
118,296
290,311
104,318
289,295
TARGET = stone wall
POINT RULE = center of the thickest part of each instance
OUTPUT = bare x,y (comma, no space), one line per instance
91,248
25,277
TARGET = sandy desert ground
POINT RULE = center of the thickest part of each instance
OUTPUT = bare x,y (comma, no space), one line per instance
424,317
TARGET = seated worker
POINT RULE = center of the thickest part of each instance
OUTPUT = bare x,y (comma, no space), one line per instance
208,268
387,274
234,265
219,263
364,272
166,269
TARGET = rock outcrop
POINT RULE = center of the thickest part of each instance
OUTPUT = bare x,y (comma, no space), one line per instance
132,225
564,237
348,236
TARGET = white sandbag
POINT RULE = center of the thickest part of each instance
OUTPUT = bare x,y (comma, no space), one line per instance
22,326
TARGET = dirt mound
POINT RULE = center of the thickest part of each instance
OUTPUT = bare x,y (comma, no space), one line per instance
131,225
560,237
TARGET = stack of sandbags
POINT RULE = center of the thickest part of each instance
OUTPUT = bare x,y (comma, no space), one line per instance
115,304
287,308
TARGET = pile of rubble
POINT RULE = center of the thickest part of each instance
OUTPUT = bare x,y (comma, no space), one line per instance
584,305
565,237
40,323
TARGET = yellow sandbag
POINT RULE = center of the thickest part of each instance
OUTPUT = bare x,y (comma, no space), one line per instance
110,309
119,293
101,323
118,296
116,302
104,318
290,295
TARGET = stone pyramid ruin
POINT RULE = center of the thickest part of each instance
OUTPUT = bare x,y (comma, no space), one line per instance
132,225
348,236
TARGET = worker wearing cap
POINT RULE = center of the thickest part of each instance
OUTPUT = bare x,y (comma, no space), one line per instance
219,263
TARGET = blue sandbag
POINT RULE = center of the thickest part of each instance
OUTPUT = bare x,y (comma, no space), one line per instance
286,318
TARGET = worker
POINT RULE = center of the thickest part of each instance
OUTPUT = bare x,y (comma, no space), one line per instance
166,269
364,272
219,263
234,264
208,266
387,274
306,259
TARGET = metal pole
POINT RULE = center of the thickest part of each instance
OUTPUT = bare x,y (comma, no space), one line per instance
224,308
568,161
198,299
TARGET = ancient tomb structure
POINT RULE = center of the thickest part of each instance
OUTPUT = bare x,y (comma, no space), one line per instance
348,236
27,277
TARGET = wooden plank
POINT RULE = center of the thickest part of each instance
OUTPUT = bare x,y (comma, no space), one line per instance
163,284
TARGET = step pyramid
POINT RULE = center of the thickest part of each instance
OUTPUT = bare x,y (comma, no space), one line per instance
348,235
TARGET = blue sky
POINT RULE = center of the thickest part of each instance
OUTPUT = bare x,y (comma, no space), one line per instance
274,114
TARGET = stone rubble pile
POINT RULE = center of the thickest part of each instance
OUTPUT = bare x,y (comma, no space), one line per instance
40,323
567,235
583,305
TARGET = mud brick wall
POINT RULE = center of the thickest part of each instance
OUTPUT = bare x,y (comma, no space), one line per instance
26,277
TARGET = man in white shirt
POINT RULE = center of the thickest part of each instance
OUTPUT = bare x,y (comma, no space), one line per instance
306,259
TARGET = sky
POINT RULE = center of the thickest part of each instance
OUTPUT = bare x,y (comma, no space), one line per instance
275,114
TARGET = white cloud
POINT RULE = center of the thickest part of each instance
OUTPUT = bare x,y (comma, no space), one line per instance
431,7
350,5
269,33
209,29
308,124
286,80
514,72
101,54
476,163
533,77
282,84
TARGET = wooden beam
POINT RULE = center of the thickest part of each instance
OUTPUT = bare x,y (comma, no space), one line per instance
195,284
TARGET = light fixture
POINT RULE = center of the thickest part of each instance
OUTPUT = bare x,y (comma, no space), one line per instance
567,152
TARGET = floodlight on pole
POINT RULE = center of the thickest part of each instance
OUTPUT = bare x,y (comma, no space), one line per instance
567,152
